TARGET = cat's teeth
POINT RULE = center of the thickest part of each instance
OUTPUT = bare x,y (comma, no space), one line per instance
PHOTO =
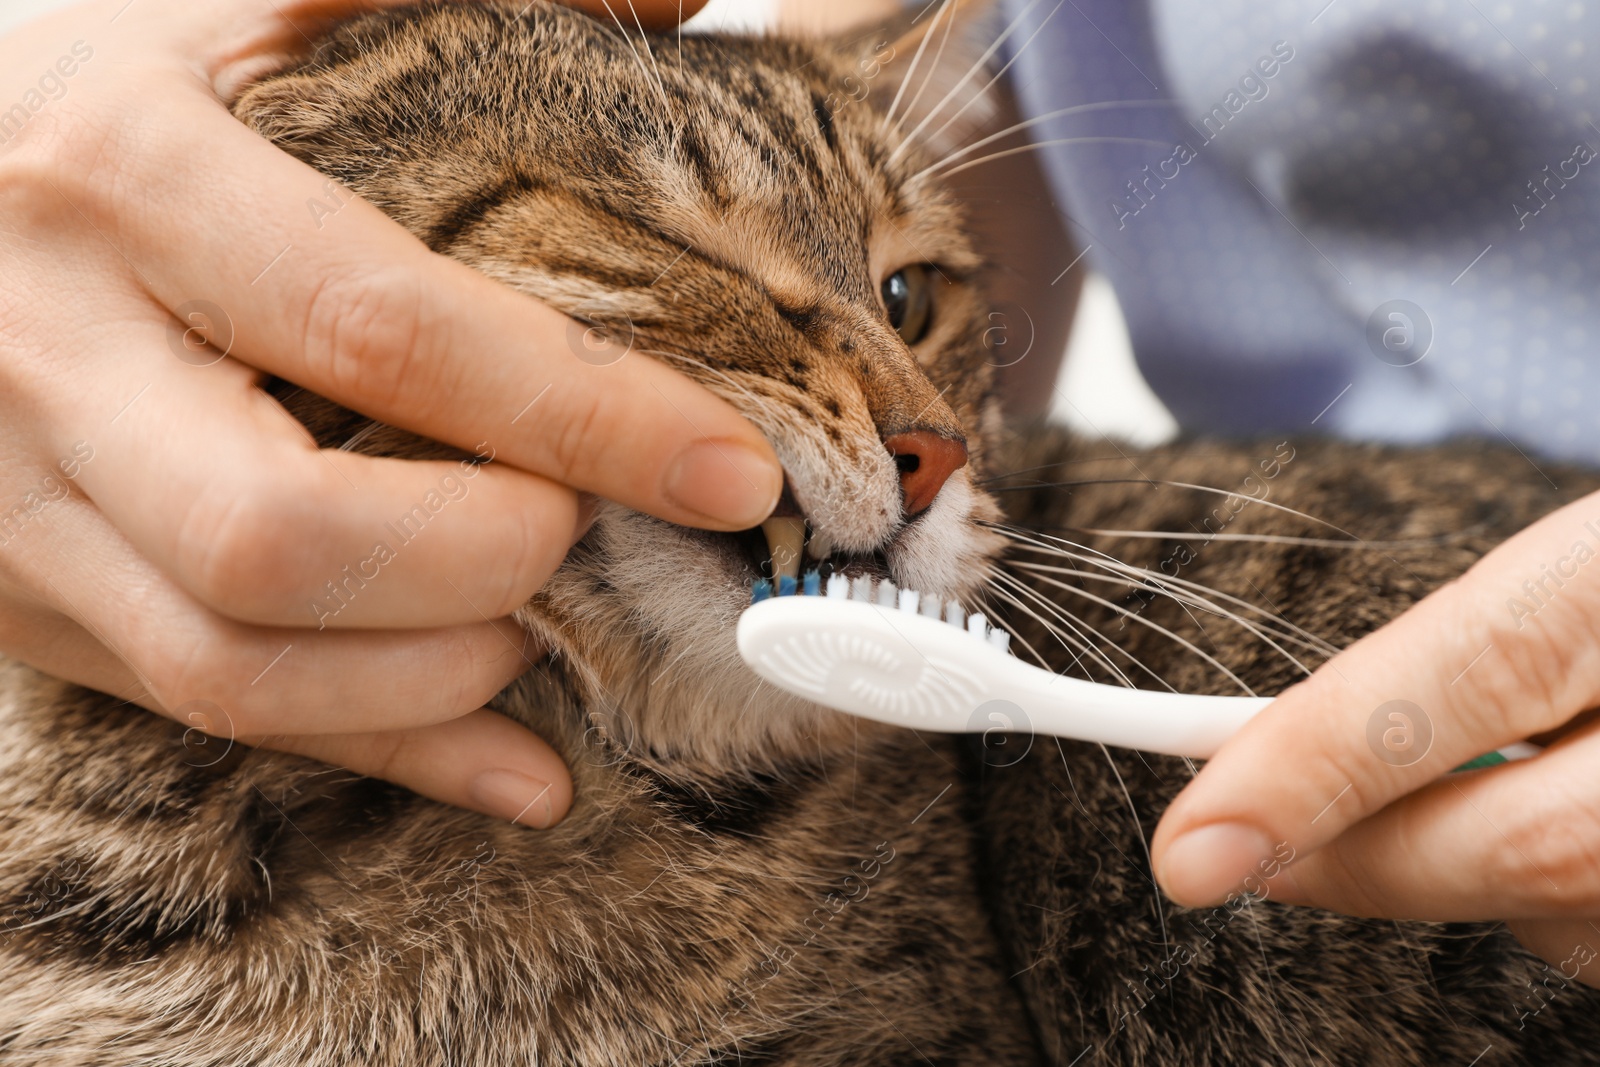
819,547
786,543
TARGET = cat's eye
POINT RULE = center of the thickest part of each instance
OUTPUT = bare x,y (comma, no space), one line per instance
908,299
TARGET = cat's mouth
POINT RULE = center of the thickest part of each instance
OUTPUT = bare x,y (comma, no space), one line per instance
787,545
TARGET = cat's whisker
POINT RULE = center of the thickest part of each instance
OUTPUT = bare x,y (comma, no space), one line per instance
1027,124
1198,593
1121,456
1078,646
1035,145
1189,485
977,66
644,38
1234,617
1022,641
1150,863
1141,620
627,40
1277,539
1080,625
1158,582
948,7
1195,593
916,61
1076,640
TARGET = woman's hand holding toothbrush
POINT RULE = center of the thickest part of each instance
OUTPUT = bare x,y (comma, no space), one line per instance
1348,771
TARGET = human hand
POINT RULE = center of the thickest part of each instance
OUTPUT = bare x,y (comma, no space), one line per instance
1353,787
164,524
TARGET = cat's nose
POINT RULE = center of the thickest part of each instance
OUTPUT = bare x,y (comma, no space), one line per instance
926,461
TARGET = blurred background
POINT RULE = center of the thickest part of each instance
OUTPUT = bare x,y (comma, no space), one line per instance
1099,389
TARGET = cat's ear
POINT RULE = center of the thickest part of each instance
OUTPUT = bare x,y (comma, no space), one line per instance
931,69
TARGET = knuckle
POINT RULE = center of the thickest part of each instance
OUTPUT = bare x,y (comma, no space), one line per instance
578,435
1526,688
1551,852
539,546
237,545
203,669
470,670
387,754
362,338
77,151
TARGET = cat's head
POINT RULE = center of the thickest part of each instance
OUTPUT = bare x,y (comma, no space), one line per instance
753,212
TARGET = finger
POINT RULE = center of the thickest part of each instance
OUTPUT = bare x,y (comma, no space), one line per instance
246,27
259,680
250,517
1571,946
48,641
363,313
482,761
651,14
1456,676
1521,841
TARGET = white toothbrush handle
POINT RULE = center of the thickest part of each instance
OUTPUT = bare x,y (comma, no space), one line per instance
1176,724
907,669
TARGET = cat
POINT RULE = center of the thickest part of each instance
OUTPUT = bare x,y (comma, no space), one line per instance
746,878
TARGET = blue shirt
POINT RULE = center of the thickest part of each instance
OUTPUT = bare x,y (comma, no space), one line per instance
1374,219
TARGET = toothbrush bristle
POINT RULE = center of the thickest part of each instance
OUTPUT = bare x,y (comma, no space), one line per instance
883,594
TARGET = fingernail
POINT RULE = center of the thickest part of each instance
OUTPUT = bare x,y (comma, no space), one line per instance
728,482
1204,866
514,796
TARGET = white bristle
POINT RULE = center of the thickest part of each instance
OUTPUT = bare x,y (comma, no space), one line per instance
909,600
861,589
931,607
954,615
977,625
1000,639
886,594
838,586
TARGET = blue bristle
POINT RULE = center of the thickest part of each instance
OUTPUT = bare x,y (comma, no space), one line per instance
786,585
811,584
760,591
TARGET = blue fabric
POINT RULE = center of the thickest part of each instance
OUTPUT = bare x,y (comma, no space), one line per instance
1386,207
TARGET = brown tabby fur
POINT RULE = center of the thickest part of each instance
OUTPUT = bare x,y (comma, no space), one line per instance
743,878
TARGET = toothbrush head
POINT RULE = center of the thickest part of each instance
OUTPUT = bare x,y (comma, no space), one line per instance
869,648
885,594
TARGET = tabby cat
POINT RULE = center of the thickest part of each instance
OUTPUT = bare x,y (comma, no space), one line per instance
745,878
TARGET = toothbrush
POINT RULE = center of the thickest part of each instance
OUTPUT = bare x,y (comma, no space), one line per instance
865,647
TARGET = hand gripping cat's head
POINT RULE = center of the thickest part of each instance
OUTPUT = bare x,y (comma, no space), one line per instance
751,213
